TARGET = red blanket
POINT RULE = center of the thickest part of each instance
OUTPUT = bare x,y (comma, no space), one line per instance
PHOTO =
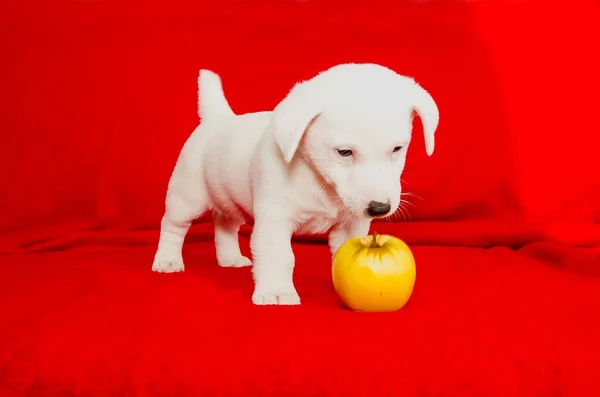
99,96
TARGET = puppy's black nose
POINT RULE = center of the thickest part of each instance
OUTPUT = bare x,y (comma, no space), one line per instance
377,208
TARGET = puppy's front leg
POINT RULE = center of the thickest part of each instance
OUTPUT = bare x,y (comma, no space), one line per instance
344,231
273,262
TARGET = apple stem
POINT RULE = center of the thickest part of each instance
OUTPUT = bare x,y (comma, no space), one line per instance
374,243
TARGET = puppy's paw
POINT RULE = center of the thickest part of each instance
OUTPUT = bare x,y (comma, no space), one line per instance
271,296
240,261
168,266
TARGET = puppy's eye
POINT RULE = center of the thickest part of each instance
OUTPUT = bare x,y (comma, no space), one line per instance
344,152
397,149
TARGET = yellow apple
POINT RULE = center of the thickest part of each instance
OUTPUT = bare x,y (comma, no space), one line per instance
374,274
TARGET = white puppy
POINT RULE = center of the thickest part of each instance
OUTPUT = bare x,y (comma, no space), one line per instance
327,158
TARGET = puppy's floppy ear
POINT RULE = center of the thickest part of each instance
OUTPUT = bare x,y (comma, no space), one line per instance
428,111
292,117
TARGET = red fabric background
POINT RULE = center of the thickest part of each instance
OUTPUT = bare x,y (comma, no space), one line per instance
97,100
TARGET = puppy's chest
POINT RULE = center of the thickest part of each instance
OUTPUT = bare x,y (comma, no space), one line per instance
316,221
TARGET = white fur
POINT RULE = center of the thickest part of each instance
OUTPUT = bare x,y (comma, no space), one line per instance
282,169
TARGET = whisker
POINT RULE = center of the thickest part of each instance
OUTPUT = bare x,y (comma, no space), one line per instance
411,195
408,214
394,216
405,214
407,202
399,214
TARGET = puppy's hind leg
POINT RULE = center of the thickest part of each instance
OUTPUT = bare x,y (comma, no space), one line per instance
227,242
186,200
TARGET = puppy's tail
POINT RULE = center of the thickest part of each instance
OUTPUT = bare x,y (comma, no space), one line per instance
211,99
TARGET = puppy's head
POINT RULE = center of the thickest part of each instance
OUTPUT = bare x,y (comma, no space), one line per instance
353,124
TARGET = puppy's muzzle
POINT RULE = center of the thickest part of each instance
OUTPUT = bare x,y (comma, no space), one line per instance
377,208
